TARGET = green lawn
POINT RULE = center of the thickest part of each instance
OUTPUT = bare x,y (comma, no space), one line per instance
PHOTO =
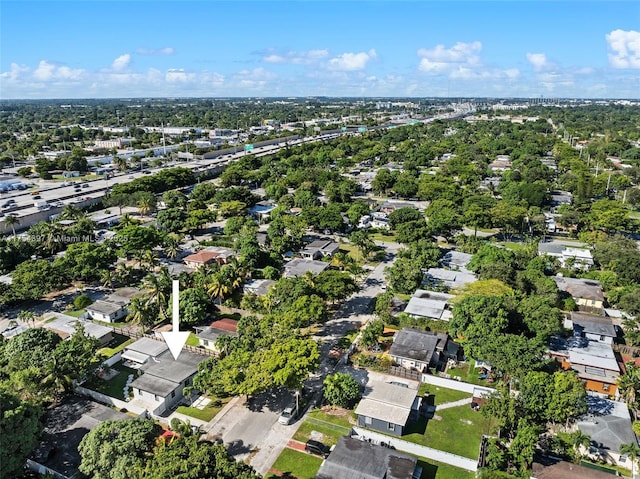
469,374
442,395
117,344
193,340
76,314
389,237
209,412
456,430
297,464
437,470
330,426
113,387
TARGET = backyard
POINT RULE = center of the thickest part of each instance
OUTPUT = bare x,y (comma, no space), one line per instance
439,395
457,430
469,374
113,387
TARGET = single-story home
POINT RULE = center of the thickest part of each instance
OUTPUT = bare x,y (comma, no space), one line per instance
592,326
353,458
456,260
259,287
429,305
113,307
448,278
554,468
209,255
417,349
608,423
388,404
142,351
319,249
587,293
65,326
64,427
161,385
298,267
208,335
261,210
567,255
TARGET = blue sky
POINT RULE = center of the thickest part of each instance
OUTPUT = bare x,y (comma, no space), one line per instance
107,49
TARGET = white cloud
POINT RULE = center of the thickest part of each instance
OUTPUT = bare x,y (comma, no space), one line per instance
625,48
440,60
156,51
307,57
121,62
538,61
44,71
352,61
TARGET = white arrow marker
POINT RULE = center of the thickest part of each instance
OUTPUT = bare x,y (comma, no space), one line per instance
176,339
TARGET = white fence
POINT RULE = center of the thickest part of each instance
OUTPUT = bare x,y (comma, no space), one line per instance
418,450
112,360
109,401
457,385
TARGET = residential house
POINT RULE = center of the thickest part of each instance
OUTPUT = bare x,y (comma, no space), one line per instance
320,249
65,326
161,385
429,305
501,164
456,260
390,206
353,458
64,427
259,287
298,267
261,210
208,335
554,468
559,198
587,293
142,351
435,277
113,307
209,255
568,256
594,362
418,350
609,425
591,326
388,404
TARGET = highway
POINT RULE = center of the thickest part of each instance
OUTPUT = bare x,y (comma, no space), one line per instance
82,193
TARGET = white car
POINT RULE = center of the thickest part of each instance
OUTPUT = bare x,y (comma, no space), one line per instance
288,415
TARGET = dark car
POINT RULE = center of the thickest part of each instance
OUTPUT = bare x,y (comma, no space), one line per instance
317,448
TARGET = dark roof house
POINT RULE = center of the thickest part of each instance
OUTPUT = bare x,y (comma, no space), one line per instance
352,458
64,427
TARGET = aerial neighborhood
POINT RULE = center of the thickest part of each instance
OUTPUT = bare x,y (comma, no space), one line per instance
401,289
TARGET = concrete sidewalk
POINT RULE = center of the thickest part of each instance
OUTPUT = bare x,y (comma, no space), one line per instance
451,404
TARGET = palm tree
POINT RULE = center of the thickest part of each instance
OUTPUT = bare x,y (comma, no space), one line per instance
12,221
124,273
224,344
145,205
120,162
71,212
633,451
58,382
579,440
172,246
156,292
218,287
629,385
106,278
28,317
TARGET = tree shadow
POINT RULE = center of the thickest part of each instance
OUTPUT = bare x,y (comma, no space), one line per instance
238,447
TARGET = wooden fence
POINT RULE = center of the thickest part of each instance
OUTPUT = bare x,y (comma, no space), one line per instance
405,373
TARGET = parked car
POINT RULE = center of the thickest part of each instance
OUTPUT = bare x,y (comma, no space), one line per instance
317,448
289,415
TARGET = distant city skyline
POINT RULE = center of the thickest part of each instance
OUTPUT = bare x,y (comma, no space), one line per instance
99,49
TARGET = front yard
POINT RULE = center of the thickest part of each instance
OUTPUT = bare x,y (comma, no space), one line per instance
208,412
324,426
296,464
